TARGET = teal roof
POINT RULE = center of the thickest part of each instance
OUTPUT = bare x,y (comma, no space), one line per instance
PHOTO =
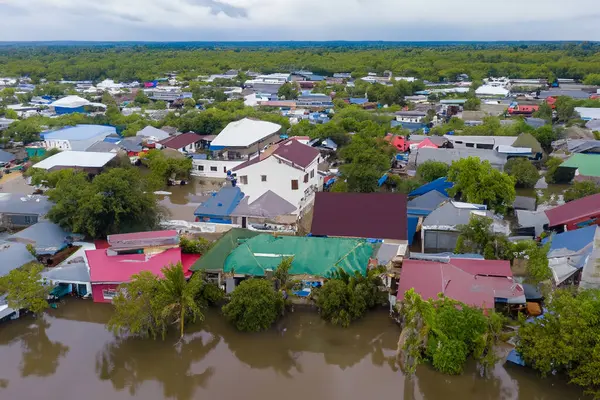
587,164
315,256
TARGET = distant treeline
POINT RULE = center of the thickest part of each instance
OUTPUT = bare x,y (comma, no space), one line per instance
434,61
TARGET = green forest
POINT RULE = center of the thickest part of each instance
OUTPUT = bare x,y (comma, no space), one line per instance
126,62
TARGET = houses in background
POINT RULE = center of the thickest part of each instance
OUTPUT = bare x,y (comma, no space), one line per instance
78,138
20,211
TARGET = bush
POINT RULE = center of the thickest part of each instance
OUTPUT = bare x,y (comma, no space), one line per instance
345,298
525,173
554,174
254,306
581,189
432,170
194,246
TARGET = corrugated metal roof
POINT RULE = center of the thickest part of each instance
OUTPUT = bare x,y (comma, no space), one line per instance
13,255
586,164
14,203
45,236
181,141
221,203
574,210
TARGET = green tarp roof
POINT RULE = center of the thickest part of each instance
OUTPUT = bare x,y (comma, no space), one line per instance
215,257
315,256
587,164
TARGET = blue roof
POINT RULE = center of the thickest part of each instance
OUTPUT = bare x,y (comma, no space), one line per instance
221,203
6,157
515,358
79,132
441,185
358,100
573,240
411,224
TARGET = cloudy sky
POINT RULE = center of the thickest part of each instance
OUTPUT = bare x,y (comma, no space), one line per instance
188,20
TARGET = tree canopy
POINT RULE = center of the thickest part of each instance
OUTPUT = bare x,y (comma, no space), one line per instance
581,189
523,171
566,339
25,288
254,305
478,182
432,170
115,201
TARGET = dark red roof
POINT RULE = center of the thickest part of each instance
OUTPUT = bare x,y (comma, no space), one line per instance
430,278
247,163
483,267
180,141
362,215
574,211
296,152
120,268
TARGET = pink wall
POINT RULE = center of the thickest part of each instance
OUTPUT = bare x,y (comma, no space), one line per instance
97,292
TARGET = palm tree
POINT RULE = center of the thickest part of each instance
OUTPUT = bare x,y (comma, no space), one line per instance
179,296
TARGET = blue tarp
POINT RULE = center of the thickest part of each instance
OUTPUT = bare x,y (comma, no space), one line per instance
572,240
515,358
65,110
411,224
382,180
440,184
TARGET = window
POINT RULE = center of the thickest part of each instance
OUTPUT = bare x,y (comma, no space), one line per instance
312,173
294,184
305,178
200,167
263,178
224,170
213,169
244,179
470,144
109,294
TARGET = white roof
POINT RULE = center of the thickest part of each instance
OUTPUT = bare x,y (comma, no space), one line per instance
71,102
492,90
81,159
493,140
588,112
513,150
244,133
153,133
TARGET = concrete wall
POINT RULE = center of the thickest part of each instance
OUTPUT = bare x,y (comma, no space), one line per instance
279,178
208,165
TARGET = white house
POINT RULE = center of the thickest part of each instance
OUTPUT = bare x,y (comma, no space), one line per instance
288,169
79,137
410,116
237,143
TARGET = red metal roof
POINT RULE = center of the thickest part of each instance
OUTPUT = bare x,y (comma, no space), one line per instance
141,235
428,144
483,267
180,141
362,215
574,211
296,152
431,278
120,268
399,142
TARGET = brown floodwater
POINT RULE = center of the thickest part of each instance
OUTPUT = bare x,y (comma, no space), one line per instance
68,354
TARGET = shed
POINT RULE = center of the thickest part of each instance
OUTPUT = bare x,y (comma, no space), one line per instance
219,206
584,164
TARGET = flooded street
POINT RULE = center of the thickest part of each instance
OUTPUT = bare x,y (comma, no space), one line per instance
69,355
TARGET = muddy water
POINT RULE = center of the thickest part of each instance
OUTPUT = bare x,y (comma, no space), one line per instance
69,355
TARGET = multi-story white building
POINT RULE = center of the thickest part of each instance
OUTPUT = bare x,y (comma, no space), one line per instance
288,169
237,143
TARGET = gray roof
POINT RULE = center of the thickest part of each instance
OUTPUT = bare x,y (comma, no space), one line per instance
493,140
14,203
437,140
13,255
428,201
102,147
6,157
532,219
131,144
151,131
267,205
535,122
77,271
45,236
575,94
525,203
447,156
582,145
452,214
593,125
386,253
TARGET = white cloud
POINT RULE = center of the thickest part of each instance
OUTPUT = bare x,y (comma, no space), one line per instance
298,20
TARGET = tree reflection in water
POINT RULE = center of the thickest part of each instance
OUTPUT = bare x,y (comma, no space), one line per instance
41,356
129,362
